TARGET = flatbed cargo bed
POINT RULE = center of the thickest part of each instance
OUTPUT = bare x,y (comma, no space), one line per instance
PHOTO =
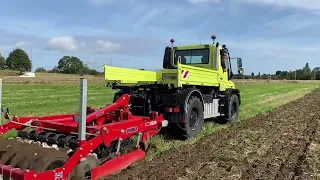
183,75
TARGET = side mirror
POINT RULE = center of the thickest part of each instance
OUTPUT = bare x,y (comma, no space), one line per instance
239,62
240,70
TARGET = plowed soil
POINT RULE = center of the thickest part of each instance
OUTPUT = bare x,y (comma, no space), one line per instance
282,144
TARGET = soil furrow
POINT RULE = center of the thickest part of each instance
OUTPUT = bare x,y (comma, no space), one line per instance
291,167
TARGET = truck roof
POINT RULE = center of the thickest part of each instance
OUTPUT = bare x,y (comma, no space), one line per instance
194,46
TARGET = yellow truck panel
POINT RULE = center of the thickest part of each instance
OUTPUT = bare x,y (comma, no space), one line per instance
183,75
191,75
128,76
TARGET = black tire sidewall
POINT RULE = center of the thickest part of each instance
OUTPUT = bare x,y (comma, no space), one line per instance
194,102
118,94
233,119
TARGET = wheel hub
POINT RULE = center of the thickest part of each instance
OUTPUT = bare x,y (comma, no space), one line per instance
193,119
233,109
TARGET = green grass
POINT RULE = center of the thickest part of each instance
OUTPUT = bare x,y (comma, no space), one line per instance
53,99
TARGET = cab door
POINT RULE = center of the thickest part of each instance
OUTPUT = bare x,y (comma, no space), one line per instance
224,70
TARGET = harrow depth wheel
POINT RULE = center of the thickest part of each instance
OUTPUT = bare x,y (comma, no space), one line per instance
83,170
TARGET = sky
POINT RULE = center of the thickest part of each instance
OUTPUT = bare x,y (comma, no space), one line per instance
268,35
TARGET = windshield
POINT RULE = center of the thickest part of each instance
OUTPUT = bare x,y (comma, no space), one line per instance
194,56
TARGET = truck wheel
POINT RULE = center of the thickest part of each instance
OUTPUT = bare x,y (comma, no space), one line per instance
118,94
233,109
193,121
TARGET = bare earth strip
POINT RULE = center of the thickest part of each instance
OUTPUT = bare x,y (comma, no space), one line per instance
281,144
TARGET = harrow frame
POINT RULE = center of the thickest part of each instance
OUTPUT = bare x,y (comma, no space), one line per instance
112,123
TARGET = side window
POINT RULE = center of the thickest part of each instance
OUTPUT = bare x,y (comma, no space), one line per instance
227,63
195,56
224,59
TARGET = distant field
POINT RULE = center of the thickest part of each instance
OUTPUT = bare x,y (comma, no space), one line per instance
40,99
49,78
12,77
264,81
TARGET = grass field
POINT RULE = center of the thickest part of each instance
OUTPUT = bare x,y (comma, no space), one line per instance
38,99
12,77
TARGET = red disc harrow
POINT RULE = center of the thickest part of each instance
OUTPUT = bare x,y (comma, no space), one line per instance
71,147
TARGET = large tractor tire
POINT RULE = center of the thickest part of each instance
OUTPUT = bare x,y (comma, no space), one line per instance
193,120
231,114
118,94
233,109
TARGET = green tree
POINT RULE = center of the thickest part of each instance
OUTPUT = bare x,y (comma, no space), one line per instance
94,72
40,70
2,62
85,69
316,73
300,74
54,70
70,65
252,74
258,76
306,72
19,60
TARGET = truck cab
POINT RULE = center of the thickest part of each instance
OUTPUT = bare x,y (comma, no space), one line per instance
208,56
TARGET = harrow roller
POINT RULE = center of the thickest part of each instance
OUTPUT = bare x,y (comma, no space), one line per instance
54,148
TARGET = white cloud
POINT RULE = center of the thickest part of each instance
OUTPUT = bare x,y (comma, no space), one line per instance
106,46
262,50
20,44
292,23
272,45
67,44
83,44
204,1
300,4
62,44
101,2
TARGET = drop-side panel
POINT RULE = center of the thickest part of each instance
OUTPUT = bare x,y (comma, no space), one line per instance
191,75
128,75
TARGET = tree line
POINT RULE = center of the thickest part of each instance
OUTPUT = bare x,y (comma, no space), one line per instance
299,74
18,60
71,65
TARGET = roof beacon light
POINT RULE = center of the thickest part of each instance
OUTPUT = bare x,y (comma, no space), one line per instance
213,37
172,41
